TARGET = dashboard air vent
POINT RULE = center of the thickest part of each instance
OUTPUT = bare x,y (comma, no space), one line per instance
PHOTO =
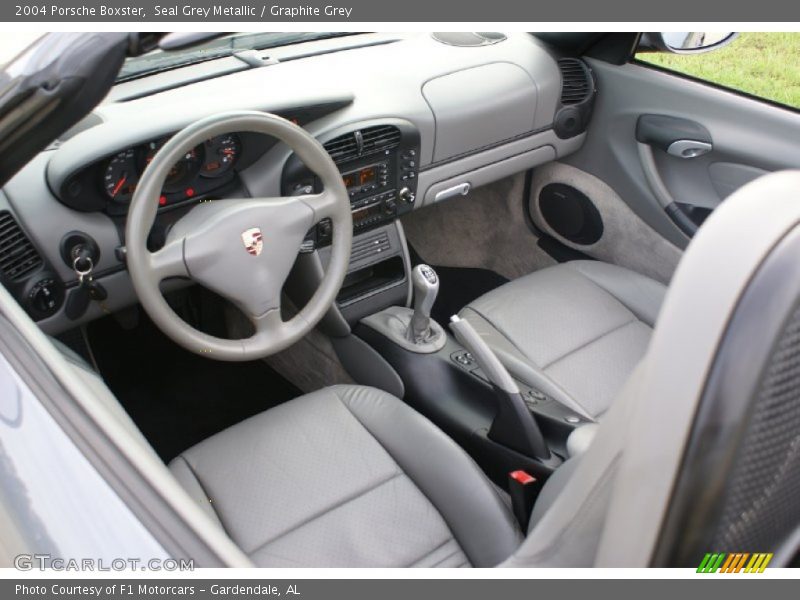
380,137
366,141
18,257
343,148
576,84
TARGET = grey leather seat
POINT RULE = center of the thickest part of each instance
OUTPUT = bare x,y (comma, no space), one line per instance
575,331
348,476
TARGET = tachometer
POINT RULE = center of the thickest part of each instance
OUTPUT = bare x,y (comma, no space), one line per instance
183,171
222,153
121,176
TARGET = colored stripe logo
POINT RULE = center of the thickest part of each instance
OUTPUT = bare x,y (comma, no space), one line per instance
737,562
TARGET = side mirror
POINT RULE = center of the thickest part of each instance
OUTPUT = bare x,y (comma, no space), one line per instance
682,42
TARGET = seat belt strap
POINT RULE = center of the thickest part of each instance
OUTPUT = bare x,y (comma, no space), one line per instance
523,489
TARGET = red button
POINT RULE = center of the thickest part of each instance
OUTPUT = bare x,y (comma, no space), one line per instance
522,477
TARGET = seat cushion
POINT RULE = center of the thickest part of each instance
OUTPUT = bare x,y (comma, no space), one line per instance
348,476
575,330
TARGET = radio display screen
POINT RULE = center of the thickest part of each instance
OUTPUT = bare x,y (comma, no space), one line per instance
366,176
360,178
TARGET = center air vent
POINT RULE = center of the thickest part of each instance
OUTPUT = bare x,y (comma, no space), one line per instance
18,257
380,137
343,148
360,143
576,83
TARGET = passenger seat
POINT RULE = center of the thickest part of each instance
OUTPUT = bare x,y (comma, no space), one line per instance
575,331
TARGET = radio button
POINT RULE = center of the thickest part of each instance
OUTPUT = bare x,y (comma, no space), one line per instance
406,196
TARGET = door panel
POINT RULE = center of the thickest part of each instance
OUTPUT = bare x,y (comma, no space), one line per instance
729,177
748,139
624,238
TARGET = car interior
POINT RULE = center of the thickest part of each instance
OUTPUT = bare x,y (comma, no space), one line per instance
425,300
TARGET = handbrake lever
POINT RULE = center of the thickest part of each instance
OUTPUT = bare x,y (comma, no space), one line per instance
514,426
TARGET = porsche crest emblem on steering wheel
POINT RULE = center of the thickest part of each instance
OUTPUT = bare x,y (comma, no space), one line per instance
253,241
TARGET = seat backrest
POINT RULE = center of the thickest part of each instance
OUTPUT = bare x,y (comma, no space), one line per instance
701,451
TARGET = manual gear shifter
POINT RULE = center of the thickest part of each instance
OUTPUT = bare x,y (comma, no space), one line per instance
413,330
425,282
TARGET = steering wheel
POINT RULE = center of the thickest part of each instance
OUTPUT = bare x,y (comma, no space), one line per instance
241,249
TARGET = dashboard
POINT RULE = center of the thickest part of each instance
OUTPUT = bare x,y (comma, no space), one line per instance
444,117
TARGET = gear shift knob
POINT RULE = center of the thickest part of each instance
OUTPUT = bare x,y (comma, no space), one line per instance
425,282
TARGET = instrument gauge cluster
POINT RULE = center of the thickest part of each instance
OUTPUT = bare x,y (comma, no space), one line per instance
107,181
201,170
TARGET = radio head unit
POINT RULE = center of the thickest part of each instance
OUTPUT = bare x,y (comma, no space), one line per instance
365,177
379,165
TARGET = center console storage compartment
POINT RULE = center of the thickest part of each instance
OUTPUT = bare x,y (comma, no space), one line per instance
378,275
370,279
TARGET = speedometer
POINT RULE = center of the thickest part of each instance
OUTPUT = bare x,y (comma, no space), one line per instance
121,176
222,153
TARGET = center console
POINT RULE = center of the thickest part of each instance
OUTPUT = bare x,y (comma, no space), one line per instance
445,371
382,341
454,378
379,163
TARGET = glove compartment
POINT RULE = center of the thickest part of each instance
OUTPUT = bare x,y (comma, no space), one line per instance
481,106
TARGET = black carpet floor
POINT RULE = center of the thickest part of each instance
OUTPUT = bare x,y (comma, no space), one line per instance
458,286
175,397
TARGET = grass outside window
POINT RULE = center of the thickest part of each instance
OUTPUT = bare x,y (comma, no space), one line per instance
766,65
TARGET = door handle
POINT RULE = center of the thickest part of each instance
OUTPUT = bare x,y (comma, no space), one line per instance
675,136
689,148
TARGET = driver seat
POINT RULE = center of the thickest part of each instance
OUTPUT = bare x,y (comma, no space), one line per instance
348,476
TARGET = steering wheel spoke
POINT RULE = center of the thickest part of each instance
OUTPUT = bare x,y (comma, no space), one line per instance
324,204
267,323
169,261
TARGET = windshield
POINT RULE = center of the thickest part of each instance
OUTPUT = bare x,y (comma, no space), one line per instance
160,60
